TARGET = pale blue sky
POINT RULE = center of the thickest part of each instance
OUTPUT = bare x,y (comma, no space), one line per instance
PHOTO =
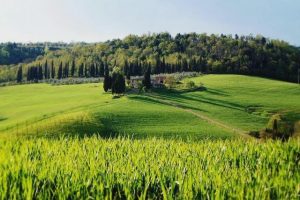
99,20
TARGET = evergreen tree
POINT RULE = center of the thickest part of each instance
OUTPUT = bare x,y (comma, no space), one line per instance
46,70
147,78
20,74
80,70
101,68
184,65
73,68
60,71
96,70
163,66
40,72
92,70
157,66
86,75
52,70
107,80
118,82
28,74
66,70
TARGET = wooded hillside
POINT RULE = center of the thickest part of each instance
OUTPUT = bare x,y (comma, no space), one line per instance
252,55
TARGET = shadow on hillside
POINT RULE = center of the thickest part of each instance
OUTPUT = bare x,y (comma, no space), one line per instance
112,125
151,99
80,127
184,96
3,118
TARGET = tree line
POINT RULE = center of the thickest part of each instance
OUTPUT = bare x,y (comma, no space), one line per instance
63,70
14,53
163,53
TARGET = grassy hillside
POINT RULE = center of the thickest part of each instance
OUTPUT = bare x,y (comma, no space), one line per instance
231,104
85,109
240,101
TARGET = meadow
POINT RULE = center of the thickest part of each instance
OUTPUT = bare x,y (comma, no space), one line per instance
230,104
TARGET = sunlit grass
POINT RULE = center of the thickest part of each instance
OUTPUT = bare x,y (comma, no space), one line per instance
83,168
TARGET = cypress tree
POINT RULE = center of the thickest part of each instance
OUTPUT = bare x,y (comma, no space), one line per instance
66,70
101,68
73,68
46,70
157,66
33,74
184,65
85,71
40,72
96,70
125,69
60,71
20,74
118,82
80,70
92,70
107,80
147,78
29,74
52,70
163,66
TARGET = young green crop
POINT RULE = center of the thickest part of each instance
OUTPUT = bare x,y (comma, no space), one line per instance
95,168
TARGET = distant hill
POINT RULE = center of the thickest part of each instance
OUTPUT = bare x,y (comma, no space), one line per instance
163,53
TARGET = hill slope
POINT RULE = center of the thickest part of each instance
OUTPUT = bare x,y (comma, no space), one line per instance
237,102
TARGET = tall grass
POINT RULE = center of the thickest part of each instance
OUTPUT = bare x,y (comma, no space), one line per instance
98,168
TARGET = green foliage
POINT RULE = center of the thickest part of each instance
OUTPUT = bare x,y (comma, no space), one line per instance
147,78
188,52
86,168
60,71
190,84
20,74
13,53
279,127
118,82
107,80
170,81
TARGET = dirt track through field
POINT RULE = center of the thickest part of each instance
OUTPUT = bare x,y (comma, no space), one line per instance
201,116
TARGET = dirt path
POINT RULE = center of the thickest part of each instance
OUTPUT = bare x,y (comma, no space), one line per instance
201,116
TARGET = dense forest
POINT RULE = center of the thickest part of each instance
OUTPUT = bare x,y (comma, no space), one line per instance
14,53
162,53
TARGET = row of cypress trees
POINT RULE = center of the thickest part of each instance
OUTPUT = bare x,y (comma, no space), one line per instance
114,82
64,70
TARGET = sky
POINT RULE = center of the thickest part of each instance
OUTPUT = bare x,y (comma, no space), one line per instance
101,20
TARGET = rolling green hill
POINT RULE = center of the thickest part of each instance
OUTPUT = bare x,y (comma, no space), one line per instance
230,106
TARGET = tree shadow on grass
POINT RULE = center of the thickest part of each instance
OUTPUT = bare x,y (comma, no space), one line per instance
2,118
72,128
151,99
182,97
217,92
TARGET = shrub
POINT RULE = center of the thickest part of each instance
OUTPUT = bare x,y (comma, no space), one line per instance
190,85
278,127
170,82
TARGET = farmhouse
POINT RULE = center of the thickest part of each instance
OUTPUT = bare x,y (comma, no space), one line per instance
157,81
